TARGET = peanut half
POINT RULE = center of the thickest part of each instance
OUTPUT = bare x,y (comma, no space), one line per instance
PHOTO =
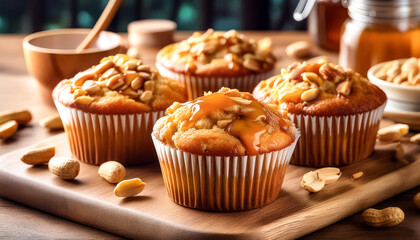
416,200
311,182
64,167
8,129
129,188
392,133
400,153
20,116
52,122
328,174
356,176
39,155
415,139
112,171
388,217
298,49
310,94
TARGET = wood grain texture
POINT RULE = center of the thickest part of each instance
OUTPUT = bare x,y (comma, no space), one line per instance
19,90
89,199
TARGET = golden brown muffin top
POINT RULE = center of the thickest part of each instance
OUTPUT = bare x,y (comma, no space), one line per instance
320,89
119,85
225,123
218,54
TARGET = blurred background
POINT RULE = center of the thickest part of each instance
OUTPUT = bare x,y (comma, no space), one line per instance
27,16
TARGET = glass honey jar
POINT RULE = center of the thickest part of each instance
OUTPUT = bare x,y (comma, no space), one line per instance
325,21
325,18
378,31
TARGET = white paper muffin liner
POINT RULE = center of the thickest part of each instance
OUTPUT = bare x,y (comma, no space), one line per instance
197,85
97,138
217,183
336,140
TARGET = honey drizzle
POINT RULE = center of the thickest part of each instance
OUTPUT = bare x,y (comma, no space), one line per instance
249,132
246,127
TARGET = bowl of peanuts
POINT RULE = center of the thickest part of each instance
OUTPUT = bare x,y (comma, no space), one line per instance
400,80
51,55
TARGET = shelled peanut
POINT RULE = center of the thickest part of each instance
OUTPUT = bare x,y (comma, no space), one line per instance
129,188
52,122
300,49
38,156
404,73
10,121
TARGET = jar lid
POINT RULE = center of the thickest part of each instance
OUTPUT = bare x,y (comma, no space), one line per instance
369,10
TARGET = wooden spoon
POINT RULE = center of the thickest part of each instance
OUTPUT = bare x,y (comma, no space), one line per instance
102,23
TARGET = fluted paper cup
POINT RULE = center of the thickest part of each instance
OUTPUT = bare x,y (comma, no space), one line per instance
336,140
217,183
197,85
97,138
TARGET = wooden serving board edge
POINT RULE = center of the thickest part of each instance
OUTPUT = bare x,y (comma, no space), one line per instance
135,224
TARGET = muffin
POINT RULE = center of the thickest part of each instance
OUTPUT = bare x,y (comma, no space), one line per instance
337,111
211,60
109,110
224,151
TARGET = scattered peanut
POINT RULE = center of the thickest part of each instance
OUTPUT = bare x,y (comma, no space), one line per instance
38,156
129,188
328,174
251,64
149,86
416,200
146,96
81,78
143,68
64,167
388,217
299,49
7,129
115,81
400,153
103,66
310,94
392,133
52,122
145,75
311,182
136,83
90,87
415,138
84,100
112,171
20,116
312,78
356,176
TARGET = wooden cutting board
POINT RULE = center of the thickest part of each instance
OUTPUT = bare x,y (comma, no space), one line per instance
89,199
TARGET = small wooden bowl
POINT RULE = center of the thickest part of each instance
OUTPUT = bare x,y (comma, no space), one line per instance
51,56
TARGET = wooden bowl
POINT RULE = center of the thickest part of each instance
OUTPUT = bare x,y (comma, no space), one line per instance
50,56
